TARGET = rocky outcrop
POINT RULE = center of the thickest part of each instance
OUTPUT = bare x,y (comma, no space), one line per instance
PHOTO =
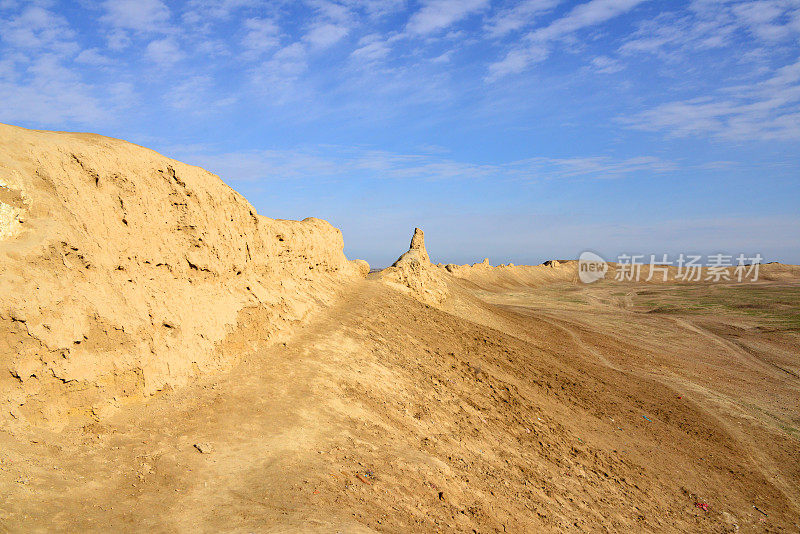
417,255
125,272
414,273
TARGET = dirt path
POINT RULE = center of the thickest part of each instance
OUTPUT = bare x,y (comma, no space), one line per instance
259,427
778,372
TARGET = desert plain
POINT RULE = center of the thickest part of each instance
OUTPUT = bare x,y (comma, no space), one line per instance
172,361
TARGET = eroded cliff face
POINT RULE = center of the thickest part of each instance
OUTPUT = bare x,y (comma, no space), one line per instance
125,272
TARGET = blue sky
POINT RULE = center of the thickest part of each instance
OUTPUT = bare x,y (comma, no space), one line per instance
521,131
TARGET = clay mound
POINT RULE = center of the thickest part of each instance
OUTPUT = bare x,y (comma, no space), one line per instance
779,271
486,275
125,272
414,273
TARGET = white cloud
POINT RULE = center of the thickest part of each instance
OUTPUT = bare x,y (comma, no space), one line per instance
516,61
186,94
583,16
592,167
380,8
164,52
336,162
198,11
121,94
444,57
436,15
265,164
278,77
712,24
345,11
325,35
766,110
8,68
261,36
137,15
666,33
209,47
764,18
372,48
93,57
37,28
289,61
519,16
51,94
118,39
333,11
606,65
196,95
539,41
